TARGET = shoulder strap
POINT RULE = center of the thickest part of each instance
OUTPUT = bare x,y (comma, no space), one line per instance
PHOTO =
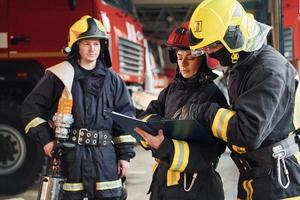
65,72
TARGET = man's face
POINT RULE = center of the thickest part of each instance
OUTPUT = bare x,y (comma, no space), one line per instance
89,49
188,65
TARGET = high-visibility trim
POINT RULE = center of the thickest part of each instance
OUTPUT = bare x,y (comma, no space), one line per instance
73,187
108,185
238,149
33,123
155,165
144,144
247,185
181,155
220,123
173,177
37,54
124,139
296,118
292,198
147,117
297,156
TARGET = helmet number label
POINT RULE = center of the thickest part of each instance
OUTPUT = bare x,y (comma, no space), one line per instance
198,26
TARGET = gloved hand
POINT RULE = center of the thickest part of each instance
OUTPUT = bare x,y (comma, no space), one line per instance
194,111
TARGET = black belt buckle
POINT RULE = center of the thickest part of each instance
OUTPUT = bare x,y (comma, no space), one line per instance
86,137
81,136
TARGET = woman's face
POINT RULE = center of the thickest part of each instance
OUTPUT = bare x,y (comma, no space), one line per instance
89,50
188,65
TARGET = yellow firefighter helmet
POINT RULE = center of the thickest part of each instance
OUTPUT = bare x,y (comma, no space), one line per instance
227,22
86,27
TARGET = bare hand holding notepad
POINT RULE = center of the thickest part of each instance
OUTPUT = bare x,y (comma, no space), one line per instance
188,130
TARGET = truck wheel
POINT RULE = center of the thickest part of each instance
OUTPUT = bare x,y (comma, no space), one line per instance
21,159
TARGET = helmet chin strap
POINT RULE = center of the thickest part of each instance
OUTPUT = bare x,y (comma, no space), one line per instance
225,57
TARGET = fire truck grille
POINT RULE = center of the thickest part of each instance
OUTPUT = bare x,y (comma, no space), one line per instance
288,43
131,57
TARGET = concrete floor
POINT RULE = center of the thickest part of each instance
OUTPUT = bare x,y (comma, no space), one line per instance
140,175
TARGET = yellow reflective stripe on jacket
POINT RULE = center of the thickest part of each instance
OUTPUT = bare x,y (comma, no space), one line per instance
144,144
181,155
147,117
33,123
293,198
247,185
108,185
73,187
173,177
297,156
220,123
155,165
124,139
238,149
296,118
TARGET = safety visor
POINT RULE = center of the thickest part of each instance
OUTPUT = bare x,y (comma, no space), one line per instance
205,49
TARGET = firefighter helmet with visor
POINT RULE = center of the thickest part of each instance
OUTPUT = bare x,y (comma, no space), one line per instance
85,27
226,22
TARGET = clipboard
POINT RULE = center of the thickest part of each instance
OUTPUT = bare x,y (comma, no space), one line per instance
188,130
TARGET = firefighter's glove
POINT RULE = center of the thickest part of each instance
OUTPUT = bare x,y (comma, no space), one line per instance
199,112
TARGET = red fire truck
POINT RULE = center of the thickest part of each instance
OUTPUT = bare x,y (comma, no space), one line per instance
32,34
291,33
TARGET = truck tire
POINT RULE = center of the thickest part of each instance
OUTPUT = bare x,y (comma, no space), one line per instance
21,159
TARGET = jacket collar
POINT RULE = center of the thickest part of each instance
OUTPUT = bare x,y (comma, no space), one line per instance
99,70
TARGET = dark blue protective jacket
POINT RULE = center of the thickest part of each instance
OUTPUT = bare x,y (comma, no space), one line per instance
90,170
179,160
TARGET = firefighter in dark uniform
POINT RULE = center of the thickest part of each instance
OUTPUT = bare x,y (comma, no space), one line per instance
261,126
100,158
185,170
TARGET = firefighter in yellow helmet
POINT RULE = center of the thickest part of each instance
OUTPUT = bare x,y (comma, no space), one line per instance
75,94
260,128
186,169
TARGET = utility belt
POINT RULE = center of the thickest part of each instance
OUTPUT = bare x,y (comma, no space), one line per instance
84,136
264,158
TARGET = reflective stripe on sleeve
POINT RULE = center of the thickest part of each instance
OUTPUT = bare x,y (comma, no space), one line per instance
147,117
173,177
181,155
33,123
238,149
292,198
144,144
124,139
108,185
220,123
73,187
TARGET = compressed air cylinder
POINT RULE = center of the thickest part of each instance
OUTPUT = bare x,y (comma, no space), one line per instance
51,188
